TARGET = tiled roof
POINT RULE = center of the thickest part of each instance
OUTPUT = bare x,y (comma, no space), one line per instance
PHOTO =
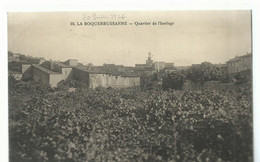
234,59
238,58
45,69
101,70
90,70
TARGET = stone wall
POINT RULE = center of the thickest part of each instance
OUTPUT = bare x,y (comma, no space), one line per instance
114,81
55,79
67,73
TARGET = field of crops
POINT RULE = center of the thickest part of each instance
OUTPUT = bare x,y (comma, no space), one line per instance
130,125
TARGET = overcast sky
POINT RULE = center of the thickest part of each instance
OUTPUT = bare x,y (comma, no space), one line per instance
196,36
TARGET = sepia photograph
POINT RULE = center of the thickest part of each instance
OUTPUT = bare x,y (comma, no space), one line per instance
173,85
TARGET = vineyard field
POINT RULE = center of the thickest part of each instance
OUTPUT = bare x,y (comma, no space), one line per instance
130,125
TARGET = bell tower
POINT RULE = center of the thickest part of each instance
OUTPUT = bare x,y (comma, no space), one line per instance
149,62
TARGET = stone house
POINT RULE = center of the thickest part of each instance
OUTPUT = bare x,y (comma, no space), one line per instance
48,73
45,76
51,73
71,62
160,65
239,64
94,79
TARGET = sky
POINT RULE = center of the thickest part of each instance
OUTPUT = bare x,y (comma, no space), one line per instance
196,36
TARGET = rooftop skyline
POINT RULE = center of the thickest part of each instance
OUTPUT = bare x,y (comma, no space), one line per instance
196,36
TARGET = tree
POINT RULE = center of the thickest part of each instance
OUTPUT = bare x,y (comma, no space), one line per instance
173,81
149,81
203,72
89,65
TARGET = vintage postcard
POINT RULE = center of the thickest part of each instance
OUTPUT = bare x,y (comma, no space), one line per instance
130,86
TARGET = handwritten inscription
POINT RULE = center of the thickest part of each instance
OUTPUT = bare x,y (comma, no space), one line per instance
95,16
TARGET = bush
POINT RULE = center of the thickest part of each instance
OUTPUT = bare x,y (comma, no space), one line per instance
11,82
240,78
203,72
69,83
173,81
226,78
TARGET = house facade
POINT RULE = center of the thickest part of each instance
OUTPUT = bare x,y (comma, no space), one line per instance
94,79
45,76
239,64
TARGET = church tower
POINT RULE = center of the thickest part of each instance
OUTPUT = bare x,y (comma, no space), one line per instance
149,62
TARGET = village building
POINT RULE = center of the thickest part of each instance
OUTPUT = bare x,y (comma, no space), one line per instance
240,64
53,72
45,76
157,65
94,79
71,62
169,69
